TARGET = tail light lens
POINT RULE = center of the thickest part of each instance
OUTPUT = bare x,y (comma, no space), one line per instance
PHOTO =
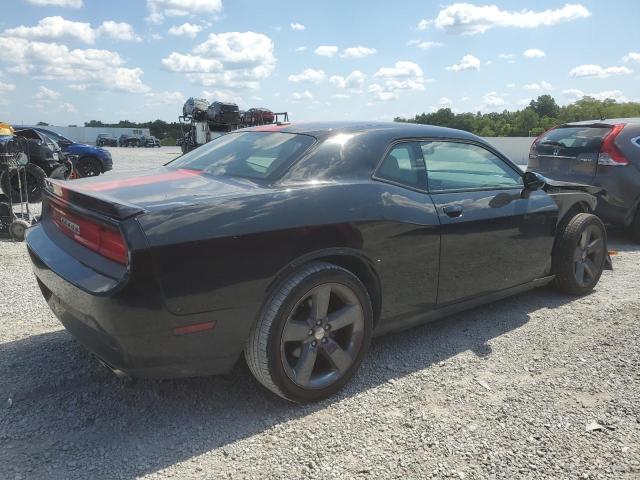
100,238
610,154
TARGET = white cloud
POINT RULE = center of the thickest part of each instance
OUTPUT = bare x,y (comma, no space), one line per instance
297,26
57,3
341,95
445,102
491,101
353,81
118,31
53,28
507,56
424,24
538,86
301,96
357,52
326,50
632,57
596,71
159,9
468,19
534,53
163,98
301,49
222,96
232,60
468,62
5,88
46,94
511,85
186,29
575,94
403,75
308,75
68,108
49,61
424,45
156,36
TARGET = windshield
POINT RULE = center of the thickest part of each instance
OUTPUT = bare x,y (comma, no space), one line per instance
55,136
253,155
583,138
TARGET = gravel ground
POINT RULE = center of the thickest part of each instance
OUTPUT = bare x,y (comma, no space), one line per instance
541,385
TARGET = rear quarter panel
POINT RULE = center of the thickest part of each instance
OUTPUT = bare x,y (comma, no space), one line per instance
224,256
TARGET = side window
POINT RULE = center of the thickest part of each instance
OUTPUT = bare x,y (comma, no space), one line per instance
457,166
403,164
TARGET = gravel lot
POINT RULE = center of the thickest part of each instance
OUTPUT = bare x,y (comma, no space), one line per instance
541,385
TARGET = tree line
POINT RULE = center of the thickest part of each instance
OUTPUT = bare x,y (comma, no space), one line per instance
540,115
166,132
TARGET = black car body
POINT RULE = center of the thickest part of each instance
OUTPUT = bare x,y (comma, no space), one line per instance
149,142
129,140
42,150
106,140
221,113
194,250
604,153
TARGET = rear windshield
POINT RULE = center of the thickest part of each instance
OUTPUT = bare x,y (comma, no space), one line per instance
253,155
583,138
229,108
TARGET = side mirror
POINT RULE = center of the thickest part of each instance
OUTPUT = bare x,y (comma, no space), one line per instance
532,181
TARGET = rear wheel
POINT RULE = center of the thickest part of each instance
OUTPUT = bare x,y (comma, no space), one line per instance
312,335
89,167
580,254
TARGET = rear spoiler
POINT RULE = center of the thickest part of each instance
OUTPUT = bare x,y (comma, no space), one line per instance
97,202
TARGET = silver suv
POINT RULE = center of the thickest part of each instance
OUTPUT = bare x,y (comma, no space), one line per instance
604,153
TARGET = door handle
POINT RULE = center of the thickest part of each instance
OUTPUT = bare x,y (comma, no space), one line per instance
453,211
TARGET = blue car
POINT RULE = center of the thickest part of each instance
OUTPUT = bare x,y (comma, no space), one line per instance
92,161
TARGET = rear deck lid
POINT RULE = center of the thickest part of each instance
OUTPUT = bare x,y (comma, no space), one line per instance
568,152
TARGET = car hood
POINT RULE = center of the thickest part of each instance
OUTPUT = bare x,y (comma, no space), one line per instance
162,188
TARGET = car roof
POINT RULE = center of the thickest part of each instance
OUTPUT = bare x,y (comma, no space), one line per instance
323,130
604,122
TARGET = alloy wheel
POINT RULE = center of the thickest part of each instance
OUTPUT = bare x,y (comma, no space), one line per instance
322,336
588,255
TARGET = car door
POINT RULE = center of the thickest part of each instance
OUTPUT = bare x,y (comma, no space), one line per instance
493,234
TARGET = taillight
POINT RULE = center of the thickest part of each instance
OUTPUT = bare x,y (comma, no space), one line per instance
103,239
610,154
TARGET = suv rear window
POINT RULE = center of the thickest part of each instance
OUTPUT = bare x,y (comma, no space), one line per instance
586,139
253,155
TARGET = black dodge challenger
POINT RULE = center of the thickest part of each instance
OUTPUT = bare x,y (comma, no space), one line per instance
296,243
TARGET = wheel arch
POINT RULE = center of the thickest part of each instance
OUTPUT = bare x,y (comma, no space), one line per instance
352,260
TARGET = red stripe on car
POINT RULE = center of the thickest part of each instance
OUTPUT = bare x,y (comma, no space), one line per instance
142,180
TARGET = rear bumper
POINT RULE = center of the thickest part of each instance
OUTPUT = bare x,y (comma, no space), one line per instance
126,326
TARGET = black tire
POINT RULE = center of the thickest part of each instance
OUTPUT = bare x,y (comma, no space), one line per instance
89,167
580,254
34,188
18,229
635,227
290,308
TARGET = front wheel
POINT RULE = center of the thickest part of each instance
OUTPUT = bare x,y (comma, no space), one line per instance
313,333
580,254
635,227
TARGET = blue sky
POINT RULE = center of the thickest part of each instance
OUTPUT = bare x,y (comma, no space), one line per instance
70,61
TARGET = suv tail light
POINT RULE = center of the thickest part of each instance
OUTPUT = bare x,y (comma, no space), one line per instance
103,239
610,154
